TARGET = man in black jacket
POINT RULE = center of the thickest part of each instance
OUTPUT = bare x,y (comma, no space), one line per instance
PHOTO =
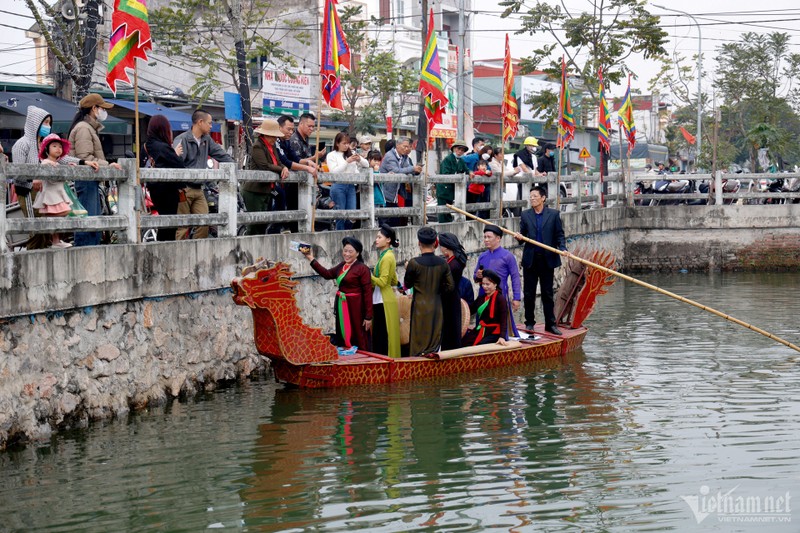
547,162
543,225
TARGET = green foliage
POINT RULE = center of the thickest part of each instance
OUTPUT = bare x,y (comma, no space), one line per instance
201,34
376,77
605,37
756,79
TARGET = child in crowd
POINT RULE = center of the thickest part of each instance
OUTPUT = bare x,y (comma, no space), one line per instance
374,157
476,192
53,200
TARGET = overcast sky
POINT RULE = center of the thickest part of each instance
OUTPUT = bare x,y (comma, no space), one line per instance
718,24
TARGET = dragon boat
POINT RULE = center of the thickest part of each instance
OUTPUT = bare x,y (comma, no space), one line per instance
304,356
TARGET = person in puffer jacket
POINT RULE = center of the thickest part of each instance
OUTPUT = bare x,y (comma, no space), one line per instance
25,151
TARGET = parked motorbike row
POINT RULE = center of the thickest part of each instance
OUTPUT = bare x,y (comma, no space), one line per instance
664,184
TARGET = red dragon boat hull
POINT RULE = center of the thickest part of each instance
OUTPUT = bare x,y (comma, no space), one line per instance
302,355
365,368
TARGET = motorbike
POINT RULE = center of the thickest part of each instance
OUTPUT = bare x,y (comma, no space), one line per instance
671,186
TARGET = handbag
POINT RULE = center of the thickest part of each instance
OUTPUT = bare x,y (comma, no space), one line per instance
77,207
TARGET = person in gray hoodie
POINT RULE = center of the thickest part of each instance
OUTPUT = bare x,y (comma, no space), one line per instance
26,151
38,124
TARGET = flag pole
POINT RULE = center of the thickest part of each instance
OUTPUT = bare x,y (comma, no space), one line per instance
558,171
425,181
319,165
502,179
138,146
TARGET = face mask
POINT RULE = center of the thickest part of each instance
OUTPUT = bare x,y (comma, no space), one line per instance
102,115
44,130
486,157
458,156
531,149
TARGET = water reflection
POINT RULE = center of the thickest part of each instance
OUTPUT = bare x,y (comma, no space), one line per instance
666,400
478,451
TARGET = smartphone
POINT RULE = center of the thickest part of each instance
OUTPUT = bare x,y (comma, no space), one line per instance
301,247
320,147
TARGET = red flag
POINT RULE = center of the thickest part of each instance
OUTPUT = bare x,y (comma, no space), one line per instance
691,139
566,120
509,109
129,40
335,54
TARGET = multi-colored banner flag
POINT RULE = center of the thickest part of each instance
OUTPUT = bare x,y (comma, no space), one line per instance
430,79
566,120
130,39
603,117
510,108
335,54
626,118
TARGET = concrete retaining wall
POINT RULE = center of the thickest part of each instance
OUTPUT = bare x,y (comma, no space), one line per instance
731,237
89,333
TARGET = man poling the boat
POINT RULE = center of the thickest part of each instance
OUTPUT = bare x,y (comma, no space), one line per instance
353,302
612,272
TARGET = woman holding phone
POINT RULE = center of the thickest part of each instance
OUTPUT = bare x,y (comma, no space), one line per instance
342,160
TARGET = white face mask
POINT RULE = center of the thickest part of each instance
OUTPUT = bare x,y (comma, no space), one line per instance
485,157
102,115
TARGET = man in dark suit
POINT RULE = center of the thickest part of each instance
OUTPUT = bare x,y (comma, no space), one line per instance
543,225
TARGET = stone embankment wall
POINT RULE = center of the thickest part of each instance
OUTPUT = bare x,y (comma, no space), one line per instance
731,237
89,333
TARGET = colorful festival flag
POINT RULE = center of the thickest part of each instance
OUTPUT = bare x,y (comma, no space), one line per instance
335,54
509,109
626,118
130,39
604,117
566,120
430,79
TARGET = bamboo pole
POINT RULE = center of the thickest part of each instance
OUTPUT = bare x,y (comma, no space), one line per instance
502,181
637,282
138,149
319,165
558,171
424,183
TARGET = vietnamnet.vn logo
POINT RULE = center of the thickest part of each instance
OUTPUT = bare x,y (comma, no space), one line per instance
733,507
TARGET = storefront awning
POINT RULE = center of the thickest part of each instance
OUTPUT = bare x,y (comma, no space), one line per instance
179,120
63,111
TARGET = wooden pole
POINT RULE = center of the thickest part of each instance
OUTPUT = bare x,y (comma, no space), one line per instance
138,148
425,185
502,182
558,171
637,282
319,165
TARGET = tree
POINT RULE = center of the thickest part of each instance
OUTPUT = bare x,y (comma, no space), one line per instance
376,76
71,39
756,78
606,37
220,38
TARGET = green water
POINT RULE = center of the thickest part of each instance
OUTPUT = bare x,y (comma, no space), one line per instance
665,407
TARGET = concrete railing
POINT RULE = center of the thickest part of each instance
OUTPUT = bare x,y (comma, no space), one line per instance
130,221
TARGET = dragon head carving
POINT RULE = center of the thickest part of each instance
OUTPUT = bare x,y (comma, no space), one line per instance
262,283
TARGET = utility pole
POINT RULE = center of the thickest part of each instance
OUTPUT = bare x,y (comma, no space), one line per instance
89,48
234,12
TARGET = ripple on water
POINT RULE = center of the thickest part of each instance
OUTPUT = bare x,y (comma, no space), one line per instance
664,400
